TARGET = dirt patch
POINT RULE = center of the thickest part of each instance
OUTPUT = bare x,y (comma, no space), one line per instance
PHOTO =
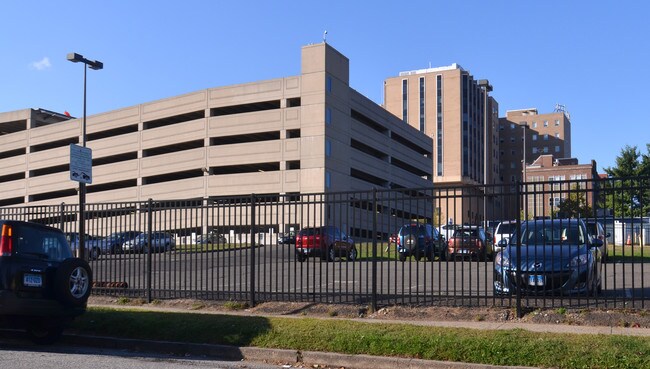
567,316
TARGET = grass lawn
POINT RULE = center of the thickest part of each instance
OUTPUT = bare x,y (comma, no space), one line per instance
505,347
627,253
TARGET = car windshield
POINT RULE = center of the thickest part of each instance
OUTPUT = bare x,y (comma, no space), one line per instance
507,228
465,232
551,234
309,232
43,243
413,229
592,228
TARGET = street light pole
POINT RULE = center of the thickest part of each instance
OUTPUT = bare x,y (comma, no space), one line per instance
485,84
96,65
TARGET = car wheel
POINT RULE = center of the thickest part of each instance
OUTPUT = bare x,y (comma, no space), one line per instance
483,255
352,254
73,280
301,257
44,333
331,254
450,256
431,255
599,288
402,256
94,253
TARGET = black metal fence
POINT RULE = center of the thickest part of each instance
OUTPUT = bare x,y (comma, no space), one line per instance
243,248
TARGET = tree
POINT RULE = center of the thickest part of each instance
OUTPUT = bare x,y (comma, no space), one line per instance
626,191
574,206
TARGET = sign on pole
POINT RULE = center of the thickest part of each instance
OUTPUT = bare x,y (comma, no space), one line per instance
81,164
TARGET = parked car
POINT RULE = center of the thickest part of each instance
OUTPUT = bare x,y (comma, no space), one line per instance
42,286
596,229
160,242
112,244
447,230
503,232
419,240
93,251
211,238
557,256
288,238
469,240
328,242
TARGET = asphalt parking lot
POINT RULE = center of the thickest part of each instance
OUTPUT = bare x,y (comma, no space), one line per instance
279,276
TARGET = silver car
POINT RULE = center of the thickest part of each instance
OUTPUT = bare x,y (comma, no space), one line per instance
160,242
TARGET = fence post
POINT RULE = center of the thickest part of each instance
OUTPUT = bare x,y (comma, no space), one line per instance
149,226
252,272
373,301
519,193
62,223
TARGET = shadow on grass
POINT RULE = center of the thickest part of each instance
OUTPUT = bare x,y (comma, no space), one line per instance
170,326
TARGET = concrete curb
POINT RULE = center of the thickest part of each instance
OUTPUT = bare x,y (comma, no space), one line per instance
272,356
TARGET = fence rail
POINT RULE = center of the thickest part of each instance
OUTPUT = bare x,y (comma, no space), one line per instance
243,248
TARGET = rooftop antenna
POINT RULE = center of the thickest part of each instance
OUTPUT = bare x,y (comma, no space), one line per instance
325,37
561,108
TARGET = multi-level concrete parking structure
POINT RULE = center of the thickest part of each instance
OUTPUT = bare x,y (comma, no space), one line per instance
309,133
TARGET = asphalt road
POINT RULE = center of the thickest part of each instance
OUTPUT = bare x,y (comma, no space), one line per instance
24,356
226,275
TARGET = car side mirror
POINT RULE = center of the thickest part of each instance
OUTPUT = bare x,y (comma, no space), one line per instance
503,242
597,243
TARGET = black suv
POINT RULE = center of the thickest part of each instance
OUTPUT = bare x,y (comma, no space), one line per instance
42,287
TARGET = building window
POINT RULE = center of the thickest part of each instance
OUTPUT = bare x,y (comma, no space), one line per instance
512,126
557,148
546,137
328,179
535,137
557,135
534,124
512,139
534,150
328,147
545,149
546,123
557,122
512,152
328,84
512,165
405,101
328,116
422,104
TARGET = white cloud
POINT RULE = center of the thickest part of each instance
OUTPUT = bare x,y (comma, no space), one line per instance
42,64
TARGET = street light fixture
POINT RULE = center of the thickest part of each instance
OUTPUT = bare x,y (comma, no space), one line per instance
96,65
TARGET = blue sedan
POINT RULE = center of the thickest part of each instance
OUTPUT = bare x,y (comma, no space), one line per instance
557,257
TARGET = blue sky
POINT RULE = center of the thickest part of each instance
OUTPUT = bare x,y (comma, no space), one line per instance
590,56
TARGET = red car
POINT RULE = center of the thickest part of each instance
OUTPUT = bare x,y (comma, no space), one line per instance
328,242
469,241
